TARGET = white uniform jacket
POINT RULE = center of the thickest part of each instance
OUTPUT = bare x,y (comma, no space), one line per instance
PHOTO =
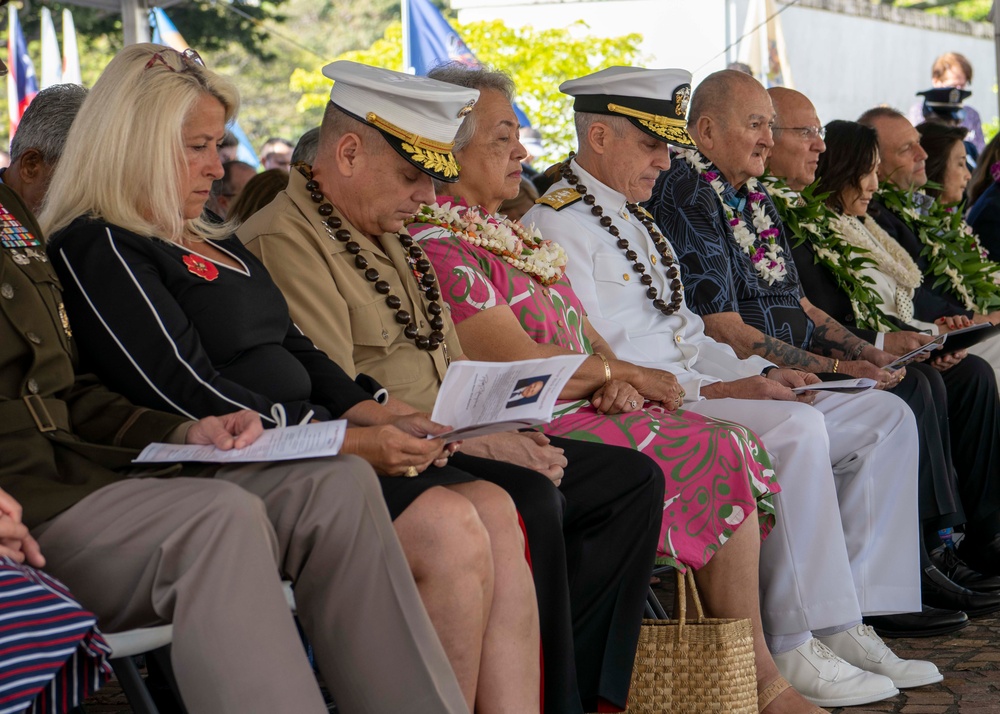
616,302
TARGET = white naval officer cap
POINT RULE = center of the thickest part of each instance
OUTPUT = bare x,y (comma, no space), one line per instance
419,117
654,100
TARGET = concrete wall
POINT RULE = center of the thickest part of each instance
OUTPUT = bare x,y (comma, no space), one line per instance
846,55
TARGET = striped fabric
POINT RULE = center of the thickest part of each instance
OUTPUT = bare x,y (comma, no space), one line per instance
51,654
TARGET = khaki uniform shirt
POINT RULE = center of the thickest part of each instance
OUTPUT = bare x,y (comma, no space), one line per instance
62,435
337,308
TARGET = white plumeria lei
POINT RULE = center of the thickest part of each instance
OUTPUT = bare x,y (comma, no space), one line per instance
524,248
983,253
766,257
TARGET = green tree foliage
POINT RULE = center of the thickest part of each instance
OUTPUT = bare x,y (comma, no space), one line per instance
537,60
975,10
315,32
208,25
312,32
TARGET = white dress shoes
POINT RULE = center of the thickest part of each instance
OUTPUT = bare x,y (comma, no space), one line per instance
828,681
864,649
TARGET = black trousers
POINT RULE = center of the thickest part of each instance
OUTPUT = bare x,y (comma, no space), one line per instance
958,417
939,501
592,544
974,411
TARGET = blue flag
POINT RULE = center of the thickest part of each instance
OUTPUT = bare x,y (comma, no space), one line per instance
244,150
433,41
22,84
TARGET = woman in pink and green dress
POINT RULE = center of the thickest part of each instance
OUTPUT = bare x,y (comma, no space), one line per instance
510,300
717,472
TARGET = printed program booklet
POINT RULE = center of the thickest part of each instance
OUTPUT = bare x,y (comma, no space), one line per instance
844,386
306,441
949,342
476,398
479,398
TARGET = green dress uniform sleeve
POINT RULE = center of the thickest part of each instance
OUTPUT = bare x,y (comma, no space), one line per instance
103,417
62,436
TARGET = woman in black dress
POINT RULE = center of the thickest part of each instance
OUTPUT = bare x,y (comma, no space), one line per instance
176,315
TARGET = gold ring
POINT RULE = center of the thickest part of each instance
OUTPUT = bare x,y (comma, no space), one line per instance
411,472
683,394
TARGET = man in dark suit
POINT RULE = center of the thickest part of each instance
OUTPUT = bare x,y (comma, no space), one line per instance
966,386
903,163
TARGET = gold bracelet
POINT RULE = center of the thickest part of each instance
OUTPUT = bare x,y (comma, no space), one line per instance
607,367
836,365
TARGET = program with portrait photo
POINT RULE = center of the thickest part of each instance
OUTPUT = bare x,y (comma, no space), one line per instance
526,391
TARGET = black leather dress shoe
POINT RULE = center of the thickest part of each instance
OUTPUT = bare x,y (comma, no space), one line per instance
957,571
937,590
981,554
926,623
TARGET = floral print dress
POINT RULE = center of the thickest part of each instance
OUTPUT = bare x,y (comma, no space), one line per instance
717,473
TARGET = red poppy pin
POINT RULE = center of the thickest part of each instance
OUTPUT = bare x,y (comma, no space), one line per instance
201,267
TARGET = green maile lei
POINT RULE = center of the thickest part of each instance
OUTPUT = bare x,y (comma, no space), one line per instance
808,219
955,256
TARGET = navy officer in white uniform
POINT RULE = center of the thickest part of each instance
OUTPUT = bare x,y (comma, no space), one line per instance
845,542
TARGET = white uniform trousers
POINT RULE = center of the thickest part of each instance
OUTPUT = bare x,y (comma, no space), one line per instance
845,542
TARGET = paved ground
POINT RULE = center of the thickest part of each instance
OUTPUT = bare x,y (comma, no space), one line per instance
969,660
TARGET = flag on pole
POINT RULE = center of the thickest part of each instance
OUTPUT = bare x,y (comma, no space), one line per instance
71,53
762,45
22,85
51,61
432,41
166,33
244,149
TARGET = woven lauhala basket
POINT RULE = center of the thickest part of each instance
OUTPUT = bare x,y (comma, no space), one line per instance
694,666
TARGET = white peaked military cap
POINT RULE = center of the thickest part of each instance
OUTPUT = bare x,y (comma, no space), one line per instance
419,117
654,100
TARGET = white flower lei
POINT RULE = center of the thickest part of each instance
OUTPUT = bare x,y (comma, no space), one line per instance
766,257
956,280
890,258
945,235
984,254
809,219
523,248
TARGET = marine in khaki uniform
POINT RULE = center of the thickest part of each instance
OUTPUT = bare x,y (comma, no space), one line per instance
370,299
338,308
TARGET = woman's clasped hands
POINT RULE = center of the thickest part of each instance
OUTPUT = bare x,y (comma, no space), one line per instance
655,386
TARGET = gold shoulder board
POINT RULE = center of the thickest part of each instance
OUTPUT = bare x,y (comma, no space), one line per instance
560,198
646,213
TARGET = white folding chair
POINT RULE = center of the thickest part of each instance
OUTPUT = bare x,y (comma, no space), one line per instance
151,642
